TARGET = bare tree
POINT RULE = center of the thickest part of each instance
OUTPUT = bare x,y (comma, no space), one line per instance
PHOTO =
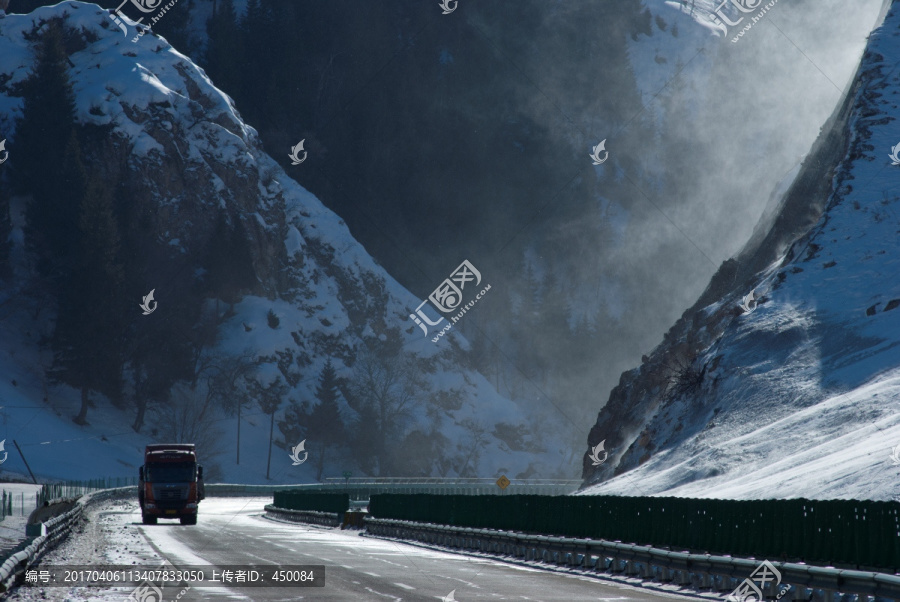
190,418
479,442
384,390
684,377
269,398
227,380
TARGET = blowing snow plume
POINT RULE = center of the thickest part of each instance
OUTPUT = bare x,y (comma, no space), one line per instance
794,396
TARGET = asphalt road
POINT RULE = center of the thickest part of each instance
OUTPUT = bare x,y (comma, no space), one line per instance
232,532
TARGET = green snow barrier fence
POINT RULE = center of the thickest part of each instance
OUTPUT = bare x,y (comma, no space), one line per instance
863,534
321,502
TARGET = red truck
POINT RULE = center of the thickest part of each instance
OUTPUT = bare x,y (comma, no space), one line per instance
170,484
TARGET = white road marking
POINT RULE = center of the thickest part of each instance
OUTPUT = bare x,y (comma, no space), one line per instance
404,586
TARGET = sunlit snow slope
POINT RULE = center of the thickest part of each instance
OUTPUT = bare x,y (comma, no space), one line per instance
799,397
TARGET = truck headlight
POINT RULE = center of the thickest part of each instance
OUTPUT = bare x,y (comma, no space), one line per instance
149,505
191,505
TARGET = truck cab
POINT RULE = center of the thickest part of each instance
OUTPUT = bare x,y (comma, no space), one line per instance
170,483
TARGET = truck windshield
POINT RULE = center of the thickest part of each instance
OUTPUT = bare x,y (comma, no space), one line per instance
163,472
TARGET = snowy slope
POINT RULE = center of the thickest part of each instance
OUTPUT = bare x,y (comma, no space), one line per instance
799,397
188,152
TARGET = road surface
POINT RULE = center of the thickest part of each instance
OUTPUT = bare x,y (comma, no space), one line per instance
234,532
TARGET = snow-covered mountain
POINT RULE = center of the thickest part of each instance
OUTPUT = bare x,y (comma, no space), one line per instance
186,153
783,380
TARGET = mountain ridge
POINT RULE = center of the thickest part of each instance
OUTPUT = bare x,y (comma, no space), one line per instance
807,358
179,154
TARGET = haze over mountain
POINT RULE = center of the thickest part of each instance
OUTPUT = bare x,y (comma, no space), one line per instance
154,183
438,138
782,380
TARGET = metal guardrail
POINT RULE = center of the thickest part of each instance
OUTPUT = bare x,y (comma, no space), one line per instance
359,488
362,488
444,480
32,548
699,571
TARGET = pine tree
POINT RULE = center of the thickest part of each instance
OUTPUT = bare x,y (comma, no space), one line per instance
294,425
256,30
53,212
223,49
174,27
325,422
48,115
163,345
47,160
87,341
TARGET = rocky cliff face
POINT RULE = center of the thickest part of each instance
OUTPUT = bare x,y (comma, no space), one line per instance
181,157
742,396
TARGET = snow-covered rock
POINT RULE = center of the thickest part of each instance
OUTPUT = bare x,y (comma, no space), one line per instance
795,392
186,155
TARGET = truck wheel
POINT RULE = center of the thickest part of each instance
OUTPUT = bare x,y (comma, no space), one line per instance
148,520
189,520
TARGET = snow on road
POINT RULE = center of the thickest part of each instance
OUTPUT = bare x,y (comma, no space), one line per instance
233,531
